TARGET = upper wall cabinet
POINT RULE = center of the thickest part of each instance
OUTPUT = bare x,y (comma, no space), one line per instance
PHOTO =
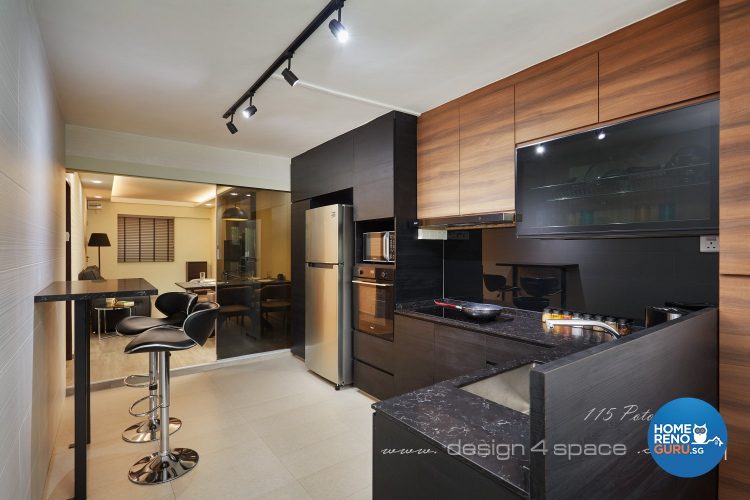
666,64
324,169
486,145
373,169
559,99
437,162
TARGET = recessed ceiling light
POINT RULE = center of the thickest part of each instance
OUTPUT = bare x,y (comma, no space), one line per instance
96,181
234,194
540,149
248,195
97,197
601,135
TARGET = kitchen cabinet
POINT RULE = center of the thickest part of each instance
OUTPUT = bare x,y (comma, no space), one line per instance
373,169
414,347
297,314
374,351
674,62
437,162
324,169
375,382
457,352
487,159
465,157
561,98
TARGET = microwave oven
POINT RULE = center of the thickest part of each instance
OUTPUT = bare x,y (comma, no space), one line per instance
379,246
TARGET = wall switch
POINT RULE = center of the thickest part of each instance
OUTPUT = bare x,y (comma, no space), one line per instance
710,244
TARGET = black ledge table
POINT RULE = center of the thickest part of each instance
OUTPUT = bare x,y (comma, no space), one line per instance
82,293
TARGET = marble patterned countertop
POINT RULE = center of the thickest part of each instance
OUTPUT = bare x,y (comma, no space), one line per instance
445,415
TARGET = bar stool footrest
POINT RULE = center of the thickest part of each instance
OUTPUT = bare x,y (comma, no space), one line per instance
156,404
147,431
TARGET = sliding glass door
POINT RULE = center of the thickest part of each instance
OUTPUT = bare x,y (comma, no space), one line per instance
253,269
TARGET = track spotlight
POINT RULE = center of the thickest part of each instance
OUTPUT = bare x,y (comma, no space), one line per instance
290,77
338,29
250,110
231,126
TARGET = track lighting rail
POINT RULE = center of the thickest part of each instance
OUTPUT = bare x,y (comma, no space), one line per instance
322,17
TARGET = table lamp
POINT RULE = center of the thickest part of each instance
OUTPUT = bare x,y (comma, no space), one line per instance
99,240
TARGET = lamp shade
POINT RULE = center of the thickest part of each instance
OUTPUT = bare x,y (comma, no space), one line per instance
234,213
99,240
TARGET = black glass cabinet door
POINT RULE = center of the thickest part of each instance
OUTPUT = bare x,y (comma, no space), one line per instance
647,176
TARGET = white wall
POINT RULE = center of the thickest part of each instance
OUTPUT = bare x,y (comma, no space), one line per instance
32,254
77,224
194,236
98,150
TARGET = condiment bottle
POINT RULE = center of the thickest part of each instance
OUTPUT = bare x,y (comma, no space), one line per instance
623,326
546,315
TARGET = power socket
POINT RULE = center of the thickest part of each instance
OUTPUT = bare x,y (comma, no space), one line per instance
710,244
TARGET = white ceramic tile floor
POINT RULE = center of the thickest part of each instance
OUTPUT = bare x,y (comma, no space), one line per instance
266,429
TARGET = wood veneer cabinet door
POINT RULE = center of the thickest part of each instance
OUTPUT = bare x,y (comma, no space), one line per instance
487,145
562,98
437,162
674,62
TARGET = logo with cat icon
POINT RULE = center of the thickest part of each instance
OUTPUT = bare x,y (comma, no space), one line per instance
682,447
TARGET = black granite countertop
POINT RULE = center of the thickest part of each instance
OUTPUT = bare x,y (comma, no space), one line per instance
95,289
446,415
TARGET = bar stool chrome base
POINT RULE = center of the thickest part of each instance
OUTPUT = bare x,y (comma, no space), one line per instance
157,468
147,431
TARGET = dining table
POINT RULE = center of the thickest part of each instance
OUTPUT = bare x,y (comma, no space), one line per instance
82,293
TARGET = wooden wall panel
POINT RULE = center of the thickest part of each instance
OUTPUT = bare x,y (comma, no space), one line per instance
562,98
437,162
734,179
734,259
487,145
672,63
734,385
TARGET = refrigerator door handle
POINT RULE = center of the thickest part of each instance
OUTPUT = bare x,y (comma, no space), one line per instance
320,264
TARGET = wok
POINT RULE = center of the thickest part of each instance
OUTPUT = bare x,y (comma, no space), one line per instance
473,309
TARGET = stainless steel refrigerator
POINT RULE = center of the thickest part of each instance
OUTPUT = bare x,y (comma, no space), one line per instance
329,251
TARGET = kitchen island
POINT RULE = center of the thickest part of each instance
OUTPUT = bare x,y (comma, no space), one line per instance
442,441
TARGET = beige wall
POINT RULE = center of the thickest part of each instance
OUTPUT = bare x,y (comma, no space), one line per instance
32,254
194,240
274,211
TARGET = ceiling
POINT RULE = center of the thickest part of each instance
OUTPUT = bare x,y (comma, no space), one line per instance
170,68
122,189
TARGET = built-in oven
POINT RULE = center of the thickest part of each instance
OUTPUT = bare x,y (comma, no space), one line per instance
373,300
379,246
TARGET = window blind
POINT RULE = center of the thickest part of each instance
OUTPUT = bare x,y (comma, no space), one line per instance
145,239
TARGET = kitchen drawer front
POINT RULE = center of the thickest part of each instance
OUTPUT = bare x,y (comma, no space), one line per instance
414,341
373,381
457,352
500,350
374,351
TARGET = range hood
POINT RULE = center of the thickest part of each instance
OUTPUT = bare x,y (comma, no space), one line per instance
437,227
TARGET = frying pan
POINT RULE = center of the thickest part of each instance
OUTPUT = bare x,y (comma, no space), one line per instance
473,309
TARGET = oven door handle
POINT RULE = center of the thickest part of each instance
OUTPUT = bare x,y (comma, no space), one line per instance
372,284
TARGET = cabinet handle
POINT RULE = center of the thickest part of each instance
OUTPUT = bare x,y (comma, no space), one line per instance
491,363
371,284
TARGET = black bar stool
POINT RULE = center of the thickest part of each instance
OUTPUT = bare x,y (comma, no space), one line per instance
175,306
168,464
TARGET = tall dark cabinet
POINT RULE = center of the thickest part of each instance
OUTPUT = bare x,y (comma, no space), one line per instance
297,316
374,168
